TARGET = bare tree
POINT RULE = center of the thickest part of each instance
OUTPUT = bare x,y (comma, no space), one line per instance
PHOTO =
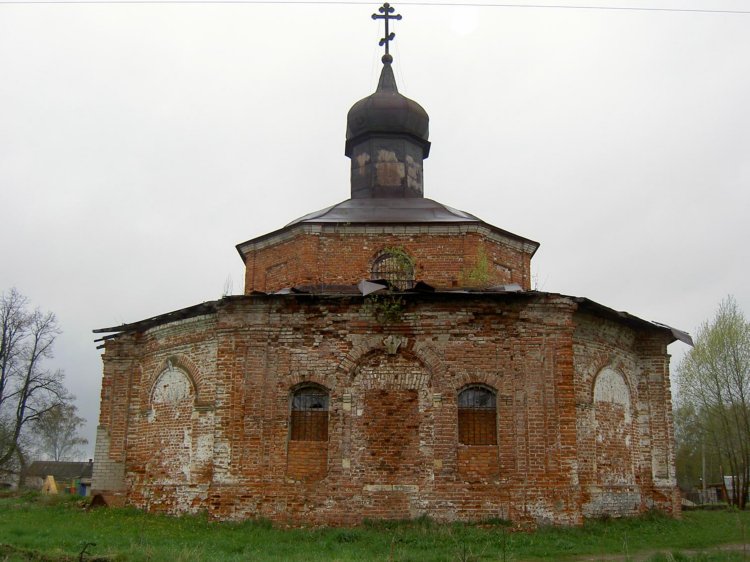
27,388
714,378
56,433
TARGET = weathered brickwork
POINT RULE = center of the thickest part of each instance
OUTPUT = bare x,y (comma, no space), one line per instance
446,256
453,391
625,439
196,412
108,473
307,460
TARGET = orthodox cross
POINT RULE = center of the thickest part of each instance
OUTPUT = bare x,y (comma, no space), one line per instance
386,10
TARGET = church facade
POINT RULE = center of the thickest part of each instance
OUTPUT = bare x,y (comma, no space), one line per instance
387,360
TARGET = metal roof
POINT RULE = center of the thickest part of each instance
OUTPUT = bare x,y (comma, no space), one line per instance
388,210
379,211
621,316
366,287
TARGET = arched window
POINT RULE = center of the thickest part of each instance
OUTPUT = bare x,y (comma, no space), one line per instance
396,267
309,414
477,416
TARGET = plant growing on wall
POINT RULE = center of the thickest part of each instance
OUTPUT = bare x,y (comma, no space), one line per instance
400,256
385,308
479,275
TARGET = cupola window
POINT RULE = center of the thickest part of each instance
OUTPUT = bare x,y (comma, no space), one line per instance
396,267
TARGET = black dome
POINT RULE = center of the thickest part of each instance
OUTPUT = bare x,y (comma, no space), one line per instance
387,112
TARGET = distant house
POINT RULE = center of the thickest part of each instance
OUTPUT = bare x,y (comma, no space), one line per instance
8,480
70,477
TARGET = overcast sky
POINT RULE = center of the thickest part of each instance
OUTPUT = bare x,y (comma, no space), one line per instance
139,143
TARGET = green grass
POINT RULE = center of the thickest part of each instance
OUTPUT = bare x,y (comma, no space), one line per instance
35,527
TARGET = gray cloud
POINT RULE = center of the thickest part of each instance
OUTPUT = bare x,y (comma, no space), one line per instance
140,143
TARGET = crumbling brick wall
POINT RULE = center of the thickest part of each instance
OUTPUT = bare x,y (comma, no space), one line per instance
625,441
223,442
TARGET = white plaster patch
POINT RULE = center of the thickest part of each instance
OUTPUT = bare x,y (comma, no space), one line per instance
409,488
613,423
173,385
204,447
221,457
362,160
388,169
413,173
611,387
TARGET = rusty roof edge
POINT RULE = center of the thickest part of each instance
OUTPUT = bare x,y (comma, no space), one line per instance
213,306
677,334
180,314
680,335
504,291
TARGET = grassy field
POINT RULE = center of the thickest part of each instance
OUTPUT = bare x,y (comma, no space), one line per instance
35,527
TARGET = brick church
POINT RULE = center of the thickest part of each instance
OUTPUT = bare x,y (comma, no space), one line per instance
389,359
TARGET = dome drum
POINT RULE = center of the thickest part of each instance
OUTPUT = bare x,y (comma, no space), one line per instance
387,166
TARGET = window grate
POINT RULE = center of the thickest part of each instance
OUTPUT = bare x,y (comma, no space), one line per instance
309,420
477,417
396,268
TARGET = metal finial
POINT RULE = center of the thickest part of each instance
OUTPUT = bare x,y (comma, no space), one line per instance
386,10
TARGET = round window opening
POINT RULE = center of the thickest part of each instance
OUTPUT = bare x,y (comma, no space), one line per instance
396,267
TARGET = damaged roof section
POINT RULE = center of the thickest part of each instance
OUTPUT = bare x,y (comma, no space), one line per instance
369,287
621,316
208,307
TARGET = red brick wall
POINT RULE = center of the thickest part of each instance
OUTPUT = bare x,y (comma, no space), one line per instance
390,436
614,445
307,460
625,445
392,448
471,259
478,462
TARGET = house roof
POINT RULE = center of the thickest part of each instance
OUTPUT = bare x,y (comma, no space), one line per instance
61,470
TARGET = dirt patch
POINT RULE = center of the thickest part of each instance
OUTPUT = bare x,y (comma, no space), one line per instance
10,552
645,555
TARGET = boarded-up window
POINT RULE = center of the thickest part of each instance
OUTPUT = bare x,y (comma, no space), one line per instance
477,416
396,267
309,414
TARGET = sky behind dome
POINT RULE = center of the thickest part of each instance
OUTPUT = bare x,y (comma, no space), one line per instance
139,143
